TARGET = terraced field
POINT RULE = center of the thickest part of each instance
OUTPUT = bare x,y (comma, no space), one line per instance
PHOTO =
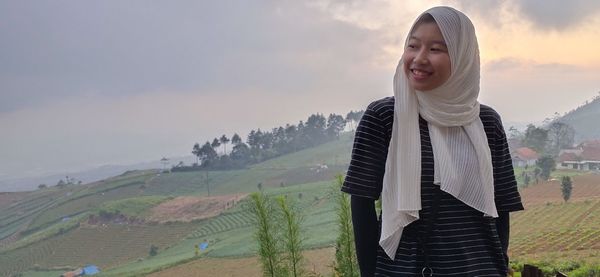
106,246
554,231
556,228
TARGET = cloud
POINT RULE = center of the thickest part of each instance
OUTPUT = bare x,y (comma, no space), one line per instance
558,15
546,15
59,49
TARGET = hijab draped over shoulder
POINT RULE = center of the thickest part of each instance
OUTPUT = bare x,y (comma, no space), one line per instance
462,159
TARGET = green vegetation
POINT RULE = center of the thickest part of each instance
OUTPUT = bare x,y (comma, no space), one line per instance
267,235
264,145
345,253
547,165
566,186
292,237
136,206
552,232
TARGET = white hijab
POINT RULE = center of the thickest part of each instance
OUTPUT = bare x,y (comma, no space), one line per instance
462,159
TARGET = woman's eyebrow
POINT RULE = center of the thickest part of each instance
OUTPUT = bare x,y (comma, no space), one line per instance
434,42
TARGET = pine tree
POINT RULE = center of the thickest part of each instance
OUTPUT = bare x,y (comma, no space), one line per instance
566,187
267,235
346,263
294,261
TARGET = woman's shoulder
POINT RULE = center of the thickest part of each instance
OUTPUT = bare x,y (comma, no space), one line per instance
382,105
486,111
488,114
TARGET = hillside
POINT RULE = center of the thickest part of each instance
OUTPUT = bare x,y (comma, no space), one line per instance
92,223
113,223
584,120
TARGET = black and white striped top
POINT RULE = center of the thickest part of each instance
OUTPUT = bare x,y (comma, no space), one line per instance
462,241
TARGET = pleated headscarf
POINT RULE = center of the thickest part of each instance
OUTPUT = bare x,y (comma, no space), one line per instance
462,159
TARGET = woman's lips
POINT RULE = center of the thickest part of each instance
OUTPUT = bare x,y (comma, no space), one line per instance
420,74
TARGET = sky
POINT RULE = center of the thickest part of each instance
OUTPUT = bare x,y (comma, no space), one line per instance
90,83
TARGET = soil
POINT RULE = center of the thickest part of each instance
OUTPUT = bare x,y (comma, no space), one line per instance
9,198
188,208
584,187
317,260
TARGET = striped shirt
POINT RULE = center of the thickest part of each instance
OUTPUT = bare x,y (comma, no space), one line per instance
462,241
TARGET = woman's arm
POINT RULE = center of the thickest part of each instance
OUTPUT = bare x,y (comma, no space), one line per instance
364,221
503,228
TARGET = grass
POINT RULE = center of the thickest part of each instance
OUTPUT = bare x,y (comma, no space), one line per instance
136,206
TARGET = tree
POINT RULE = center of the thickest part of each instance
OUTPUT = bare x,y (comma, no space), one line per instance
236,139
315,128
267,235
292,238
335,124
345,252
560,136
224,140
215,144
547,165
353,118
535,138
566,186
526,179
153,250
207,154
61,183
240,152
253,139
196,152
514,133
42,186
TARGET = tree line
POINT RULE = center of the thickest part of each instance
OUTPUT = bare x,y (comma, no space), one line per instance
263,145
546,140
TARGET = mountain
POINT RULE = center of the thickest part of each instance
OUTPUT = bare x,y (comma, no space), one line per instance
86,176
585,120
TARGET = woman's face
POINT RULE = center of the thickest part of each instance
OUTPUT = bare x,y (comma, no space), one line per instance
426,60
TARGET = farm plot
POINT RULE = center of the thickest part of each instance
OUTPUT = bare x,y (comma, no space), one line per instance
556,228
17,216
85,203
584,187
106,246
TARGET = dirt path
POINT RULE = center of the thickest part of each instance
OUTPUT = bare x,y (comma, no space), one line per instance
318,260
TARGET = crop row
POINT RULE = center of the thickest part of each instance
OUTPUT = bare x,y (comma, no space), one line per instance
223,223
104,246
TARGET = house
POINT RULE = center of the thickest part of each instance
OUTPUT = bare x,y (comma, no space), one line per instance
585,156
524,156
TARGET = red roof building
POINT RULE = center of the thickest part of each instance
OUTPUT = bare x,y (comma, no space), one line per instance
524,156
586,156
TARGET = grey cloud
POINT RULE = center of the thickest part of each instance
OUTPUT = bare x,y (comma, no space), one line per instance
488,9
59,49
558,14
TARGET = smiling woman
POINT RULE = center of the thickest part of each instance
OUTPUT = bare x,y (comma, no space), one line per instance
426,59
439,161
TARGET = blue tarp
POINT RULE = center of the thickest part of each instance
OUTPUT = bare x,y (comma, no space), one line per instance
90,270
204,245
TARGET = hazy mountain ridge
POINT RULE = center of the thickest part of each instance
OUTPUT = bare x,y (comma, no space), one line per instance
585,120
86,176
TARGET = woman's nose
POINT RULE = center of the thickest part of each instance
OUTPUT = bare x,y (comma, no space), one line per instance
420,58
